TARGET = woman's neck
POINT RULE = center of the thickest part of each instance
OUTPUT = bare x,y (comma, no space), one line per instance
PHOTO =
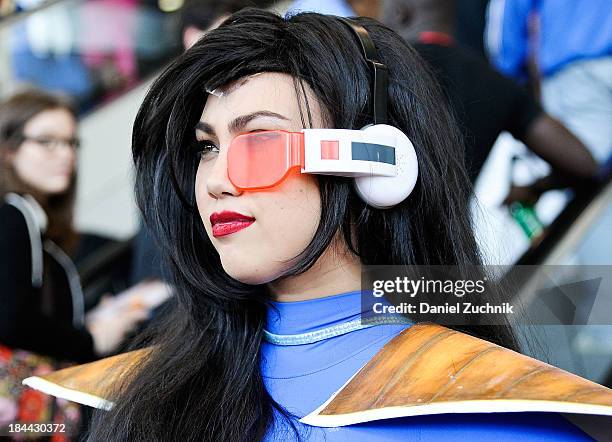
334,272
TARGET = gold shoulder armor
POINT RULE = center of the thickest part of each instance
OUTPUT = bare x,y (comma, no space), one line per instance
88,384
430,369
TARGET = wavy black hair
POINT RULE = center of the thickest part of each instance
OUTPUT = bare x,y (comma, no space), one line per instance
202,381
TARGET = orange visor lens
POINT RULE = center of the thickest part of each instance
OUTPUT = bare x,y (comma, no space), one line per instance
261,160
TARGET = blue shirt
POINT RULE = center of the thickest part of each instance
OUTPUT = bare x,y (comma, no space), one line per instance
569,30
331,7
301,377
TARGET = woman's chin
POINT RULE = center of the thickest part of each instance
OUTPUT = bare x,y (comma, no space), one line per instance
56,186
247,274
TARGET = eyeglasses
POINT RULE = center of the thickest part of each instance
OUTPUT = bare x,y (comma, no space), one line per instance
52,144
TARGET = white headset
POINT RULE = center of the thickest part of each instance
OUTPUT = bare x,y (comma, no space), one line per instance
380,157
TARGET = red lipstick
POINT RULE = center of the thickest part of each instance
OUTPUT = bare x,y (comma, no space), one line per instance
226,222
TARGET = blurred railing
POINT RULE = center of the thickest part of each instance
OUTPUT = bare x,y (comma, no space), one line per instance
580,237
93,51
12,10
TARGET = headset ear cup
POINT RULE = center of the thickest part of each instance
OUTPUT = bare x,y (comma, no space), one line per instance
383,192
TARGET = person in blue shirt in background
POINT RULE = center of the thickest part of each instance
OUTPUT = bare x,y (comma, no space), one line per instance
332,7
570,43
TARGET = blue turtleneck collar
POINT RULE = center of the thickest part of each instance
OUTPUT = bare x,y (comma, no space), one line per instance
354,345
290,318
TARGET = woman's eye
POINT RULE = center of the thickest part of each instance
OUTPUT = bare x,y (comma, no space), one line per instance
204,148
45,141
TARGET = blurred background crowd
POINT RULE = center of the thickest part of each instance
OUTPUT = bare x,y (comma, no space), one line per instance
529,81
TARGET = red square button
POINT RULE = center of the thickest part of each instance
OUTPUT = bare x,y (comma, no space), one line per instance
329,150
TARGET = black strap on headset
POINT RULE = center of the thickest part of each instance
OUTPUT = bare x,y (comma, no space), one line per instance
379,70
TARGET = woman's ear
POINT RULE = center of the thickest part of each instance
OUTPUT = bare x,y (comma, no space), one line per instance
6,156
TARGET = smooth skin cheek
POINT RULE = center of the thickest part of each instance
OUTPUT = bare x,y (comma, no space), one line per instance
47,172
287,216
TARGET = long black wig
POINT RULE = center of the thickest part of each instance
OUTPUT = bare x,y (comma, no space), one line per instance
202,380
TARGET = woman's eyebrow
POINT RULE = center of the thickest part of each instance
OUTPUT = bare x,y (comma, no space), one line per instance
239,123
205,127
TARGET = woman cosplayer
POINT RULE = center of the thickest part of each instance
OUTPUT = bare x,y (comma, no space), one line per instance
267,219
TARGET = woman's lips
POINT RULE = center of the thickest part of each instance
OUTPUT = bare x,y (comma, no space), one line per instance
226,222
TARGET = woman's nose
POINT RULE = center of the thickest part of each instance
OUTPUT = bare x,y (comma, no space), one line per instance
218,183
65,153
